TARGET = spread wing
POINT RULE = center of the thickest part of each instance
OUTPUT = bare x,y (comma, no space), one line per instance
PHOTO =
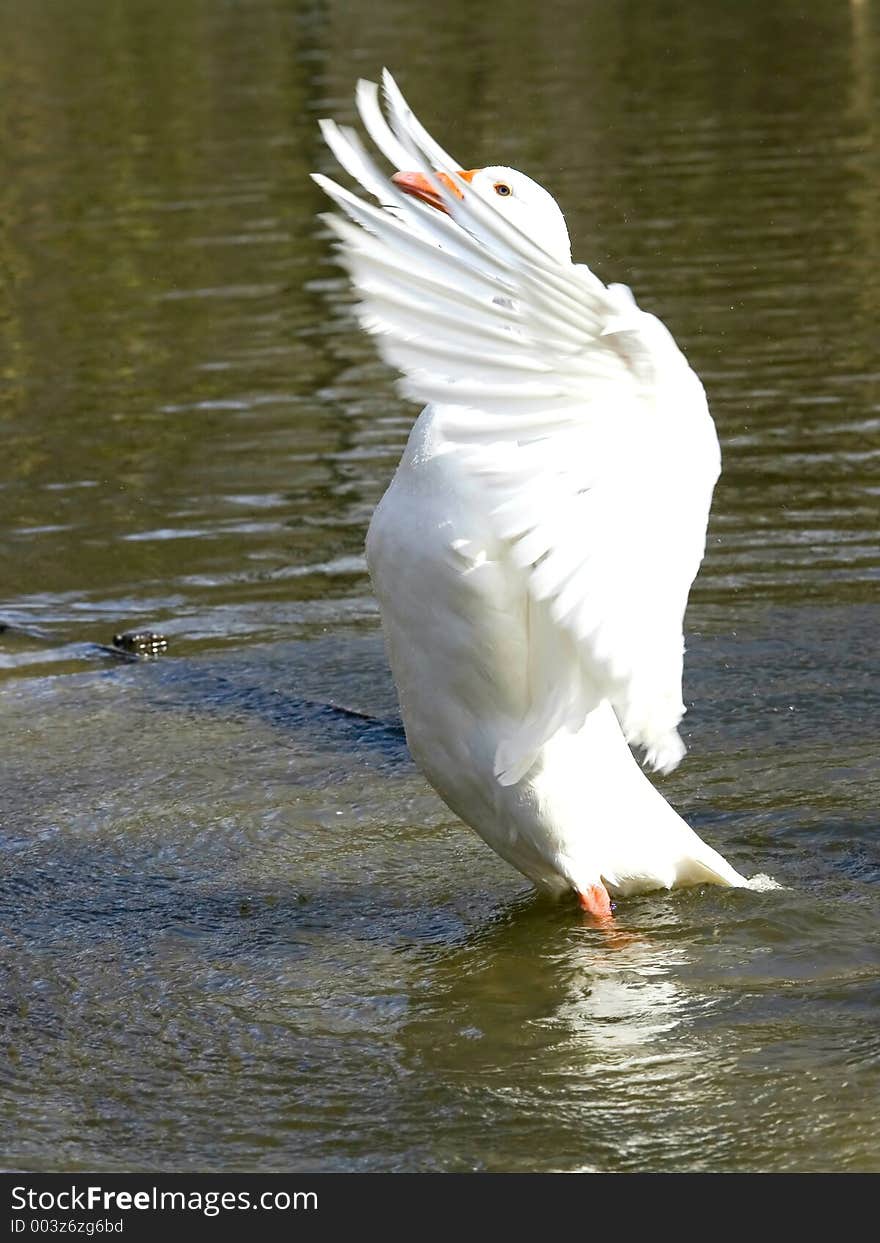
588,430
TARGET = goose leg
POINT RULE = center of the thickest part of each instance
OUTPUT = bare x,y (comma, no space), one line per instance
596,902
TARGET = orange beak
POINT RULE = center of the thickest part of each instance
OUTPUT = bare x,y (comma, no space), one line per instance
421,187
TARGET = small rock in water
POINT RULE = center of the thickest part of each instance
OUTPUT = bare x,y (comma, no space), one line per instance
141,642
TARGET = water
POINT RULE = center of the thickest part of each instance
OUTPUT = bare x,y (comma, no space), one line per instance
240,932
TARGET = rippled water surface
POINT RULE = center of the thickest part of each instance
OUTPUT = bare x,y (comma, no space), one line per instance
239,930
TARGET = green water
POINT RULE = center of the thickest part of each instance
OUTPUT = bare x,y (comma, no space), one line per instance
239,932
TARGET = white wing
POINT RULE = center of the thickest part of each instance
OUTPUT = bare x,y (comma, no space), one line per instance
581,416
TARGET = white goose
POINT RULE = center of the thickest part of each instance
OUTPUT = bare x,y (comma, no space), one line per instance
533,555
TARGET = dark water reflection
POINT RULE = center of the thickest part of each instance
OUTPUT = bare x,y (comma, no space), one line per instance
240,933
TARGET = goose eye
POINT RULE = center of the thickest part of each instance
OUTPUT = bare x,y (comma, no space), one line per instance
502,188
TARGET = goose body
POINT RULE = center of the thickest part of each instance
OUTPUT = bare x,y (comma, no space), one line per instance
533,554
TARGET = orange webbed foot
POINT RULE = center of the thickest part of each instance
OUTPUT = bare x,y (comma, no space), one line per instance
596,902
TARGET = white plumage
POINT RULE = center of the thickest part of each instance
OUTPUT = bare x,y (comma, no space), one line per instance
533,555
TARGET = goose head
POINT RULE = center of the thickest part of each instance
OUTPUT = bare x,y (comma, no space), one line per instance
515,196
